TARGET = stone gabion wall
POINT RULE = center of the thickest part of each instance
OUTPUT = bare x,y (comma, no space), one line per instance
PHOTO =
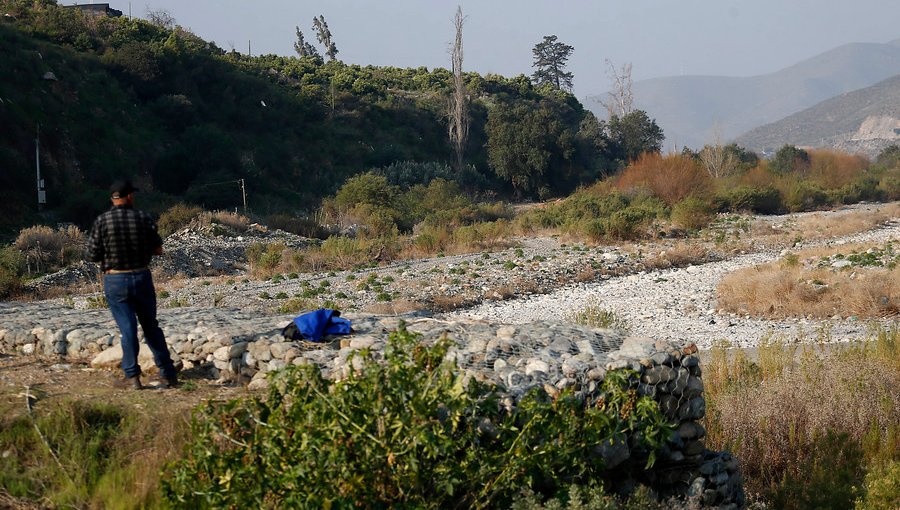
550,355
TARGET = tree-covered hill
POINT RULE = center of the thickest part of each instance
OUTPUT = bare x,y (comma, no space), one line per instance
110,97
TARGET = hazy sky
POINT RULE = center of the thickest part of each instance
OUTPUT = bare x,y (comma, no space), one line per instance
659,37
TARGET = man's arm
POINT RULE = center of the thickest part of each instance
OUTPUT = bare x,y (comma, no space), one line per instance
155,239
94,249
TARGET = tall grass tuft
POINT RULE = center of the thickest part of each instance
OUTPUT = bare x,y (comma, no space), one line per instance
808,423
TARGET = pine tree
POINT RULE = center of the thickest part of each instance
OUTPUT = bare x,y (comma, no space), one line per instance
550,58
323,34
303,48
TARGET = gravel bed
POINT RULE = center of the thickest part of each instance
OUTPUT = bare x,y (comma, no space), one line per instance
679,304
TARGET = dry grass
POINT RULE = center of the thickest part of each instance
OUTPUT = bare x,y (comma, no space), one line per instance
397,307
819,226
587,274
791,289
236,221
678,255
47,249
790,410
448,302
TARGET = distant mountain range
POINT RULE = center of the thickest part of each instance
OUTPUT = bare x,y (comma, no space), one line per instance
863,121
690,109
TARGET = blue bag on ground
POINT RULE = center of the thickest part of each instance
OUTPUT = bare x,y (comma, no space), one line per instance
314,325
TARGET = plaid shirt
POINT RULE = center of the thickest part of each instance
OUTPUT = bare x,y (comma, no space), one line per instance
123,238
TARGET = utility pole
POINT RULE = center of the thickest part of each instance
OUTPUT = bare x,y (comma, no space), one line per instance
41,193
244,193
249,53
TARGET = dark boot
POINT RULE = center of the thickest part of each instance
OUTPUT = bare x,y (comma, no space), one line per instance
132,383
167,381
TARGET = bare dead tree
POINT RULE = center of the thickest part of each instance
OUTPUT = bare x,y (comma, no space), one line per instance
717,161
458,107
621,98
161,18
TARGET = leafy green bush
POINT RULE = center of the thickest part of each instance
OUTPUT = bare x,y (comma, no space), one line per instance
264,257
407,432
765,200
693,213
805,196
177,217
882,489
406,174
12,267
789,159
863,188
589,497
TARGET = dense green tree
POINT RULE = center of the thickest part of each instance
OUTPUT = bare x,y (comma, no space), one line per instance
745,159
632,135
550,57
531,147
368,188
789,159
889,157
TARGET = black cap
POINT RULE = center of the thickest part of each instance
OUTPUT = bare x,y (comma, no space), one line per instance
122,188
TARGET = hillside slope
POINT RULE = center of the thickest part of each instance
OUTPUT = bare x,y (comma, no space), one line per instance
863,121
691,108
112,97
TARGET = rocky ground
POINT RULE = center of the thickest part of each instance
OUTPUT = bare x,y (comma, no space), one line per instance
509,312
679,304
660,290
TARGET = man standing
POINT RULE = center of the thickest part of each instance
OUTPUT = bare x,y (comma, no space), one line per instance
123,240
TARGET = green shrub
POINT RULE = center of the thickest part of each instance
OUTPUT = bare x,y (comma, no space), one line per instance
595,316
264,258
12,267
789,159
765,200
406,174
882,489
369,189
177,217
693,213
344,252
295,305
589,497
805,196
406,432
863,188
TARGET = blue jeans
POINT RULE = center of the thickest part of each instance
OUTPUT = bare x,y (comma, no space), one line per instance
132,299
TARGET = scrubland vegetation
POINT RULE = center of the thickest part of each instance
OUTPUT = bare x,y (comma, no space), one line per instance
815,426
405,431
